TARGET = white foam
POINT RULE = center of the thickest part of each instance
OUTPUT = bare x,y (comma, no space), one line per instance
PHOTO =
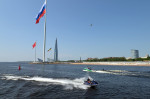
69,84
119,71
101,71
115,72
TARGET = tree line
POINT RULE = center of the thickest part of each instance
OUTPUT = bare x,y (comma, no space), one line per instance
116,59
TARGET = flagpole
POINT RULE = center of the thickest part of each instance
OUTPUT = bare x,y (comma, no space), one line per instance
35,53
44,34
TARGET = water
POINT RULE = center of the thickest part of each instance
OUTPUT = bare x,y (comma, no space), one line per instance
66,81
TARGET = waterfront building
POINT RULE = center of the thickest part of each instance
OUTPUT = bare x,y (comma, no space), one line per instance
134,53
56,52
50,60
146,56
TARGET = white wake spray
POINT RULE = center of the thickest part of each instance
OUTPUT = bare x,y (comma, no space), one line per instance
115,72
67,83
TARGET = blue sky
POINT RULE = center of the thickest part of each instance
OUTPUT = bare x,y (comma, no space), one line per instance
118,27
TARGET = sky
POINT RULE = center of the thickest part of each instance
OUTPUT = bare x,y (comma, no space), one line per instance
117,27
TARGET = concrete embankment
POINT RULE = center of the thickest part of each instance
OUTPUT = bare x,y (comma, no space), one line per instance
116,63
100,63
50,63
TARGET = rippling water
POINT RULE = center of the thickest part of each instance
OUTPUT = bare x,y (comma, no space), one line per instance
66,81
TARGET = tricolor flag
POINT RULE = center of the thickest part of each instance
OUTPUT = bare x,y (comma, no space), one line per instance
34,45
49,49
41,13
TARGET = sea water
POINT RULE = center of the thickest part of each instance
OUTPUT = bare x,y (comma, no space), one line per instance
66,81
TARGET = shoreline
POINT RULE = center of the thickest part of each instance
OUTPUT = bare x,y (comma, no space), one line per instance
115,63
137,63
50,63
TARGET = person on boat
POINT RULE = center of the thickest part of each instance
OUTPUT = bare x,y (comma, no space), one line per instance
89,68
89,81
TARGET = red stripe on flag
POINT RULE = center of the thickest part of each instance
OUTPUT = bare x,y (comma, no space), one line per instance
37,21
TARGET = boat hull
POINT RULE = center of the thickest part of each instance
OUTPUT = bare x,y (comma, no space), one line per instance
91,84
88,70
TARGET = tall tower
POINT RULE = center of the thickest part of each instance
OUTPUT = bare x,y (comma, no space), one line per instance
135,54
56,52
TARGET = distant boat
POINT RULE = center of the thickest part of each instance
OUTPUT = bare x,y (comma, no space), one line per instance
88,70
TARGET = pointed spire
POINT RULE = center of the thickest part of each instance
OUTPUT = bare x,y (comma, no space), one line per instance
56,52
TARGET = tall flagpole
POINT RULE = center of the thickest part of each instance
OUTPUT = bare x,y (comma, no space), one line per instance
35,53
44,34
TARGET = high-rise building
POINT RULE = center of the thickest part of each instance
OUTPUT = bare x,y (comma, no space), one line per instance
56,52
135,54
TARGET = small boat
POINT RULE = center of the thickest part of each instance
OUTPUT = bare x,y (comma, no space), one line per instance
91,83
88,69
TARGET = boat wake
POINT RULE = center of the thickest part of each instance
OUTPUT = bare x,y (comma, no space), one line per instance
126,73
115,72
67,83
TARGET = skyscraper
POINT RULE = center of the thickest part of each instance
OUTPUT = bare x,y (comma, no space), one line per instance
135,54
56,52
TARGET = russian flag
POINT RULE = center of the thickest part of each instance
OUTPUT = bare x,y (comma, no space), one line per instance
41,13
